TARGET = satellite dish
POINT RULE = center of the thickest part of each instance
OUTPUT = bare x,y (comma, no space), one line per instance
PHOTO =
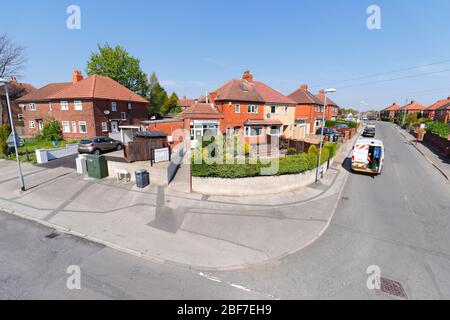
106,112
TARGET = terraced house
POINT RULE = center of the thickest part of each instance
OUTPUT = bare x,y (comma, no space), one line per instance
95,106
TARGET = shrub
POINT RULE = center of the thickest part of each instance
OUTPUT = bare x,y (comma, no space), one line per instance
52,131
332,148
439,128
329,123
5,131
387,119
291,151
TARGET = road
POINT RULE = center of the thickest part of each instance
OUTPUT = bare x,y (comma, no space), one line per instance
398,221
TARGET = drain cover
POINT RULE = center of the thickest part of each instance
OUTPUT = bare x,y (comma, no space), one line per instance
393,288
52,235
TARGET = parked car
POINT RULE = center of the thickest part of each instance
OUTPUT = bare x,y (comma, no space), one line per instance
369,132
332,134
342,126
98,145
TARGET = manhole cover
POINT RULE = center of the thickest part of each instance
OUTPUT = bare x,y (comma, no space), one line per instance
52,235
393,288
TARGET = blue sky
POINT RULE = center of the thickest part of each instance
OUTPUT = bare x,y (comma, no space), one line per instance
195,46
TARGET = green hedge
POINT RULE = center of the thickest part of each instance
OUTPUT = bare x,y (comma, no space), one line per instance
291,164
439,128
331,124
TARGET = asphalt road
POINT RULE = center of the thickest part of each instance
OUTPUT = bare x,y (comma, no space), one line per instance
398,221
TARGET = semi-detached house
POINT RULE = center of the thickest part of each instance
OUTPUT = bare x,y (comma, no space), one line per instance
95,106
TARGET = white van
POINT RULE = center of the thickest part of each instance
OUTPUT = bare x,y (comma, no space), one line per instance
368,156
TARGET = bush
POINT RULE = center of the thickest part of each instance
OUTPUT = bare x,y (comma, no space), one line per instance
329,123
5,131
52,131
439,128
332,148
291,151
387,119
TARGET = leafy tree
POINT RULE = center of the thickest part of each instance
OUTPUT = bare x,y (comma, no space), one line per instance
52,131
117,64
171,105
5,131
156,95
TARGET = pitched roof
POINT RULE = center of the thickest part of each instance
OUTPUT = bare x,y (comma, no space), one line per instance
248,90
321,97
43,93
98,87
186,102
413,106
303,96
446,106
393,107
17,88
202,110
438,104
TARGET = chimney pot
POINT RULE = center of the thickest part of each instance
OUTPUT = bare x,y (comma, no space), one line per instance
304,86
77,76
248,76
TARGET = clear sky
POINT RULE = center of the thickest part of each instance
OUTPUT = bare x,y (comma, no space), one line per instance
197,45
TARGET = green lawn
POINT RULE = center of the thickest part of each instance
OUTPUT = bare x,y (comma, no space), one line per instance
32,144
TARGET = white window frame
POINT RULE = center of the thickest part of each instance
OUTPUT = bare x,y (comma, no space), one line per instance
74,127
22,106
64,105
80,123
130,106
277,133
123,116
252,108
237,108
20,117
78,105
249,131
65,126
273,110
104,126
32,106
31,124
113,106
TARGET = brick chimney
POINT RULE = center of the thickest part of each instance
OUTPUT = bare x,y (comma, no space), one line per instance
304,87
13,79
247,76
77,77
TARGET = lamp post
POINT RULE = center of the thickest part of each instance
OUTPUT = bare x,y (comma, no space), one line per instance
4,82
321,131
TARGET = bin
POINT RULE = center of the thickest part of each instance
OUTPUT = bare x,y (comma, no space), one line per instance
81,165
97,166
142,178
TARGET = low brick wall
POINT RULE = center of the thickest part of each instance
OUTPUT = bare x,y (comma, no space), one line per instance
46,155
441,144
256,185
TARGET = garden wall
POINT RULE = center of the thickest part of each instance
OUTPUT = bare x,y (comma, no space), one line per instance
46,155
441,144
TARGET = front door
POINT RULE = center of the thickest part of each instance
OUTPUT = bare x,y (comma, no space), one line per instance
114,127
40,125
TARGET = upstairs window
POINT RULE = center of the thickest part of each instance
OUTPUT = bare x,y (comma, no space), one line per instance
113,106
252,108
32,106
273,109
78,105
64,105
237,108
123,116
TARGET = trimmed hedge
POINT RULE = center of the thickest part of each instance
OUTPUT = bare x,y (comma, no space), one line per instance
350,124
439,128
291,164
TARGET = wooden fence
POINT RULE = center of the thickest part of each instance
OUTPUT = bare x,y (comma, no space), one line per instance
142,150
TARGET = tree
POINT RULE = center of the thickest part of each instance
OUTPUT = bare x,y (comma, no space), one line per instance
12,59
117,64
171,105
5,131
52,131
156,95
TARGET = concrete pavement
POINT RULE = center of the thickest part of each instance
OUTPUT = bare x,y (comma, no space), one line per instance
211,233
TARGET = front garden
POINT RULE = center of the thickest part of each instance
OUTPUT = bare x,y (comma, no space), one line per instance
214,160
50,138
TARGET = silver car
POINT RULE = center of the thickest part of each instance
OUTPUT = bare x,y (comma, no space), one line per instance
98,145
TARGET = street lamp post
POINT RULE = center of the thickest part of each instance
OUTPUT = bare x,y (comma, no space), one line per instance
321,131
13,129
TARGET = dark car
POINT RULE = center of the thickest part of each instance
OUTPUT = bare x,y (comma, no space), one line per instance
342,126
327,132
369,132
99,145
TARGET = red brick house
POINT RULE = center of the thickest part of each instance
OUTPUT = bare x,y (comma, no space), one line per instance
15,90
190,126
95,106
430,112
442,114
389,112
411,108
309,109
332,110
254,109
